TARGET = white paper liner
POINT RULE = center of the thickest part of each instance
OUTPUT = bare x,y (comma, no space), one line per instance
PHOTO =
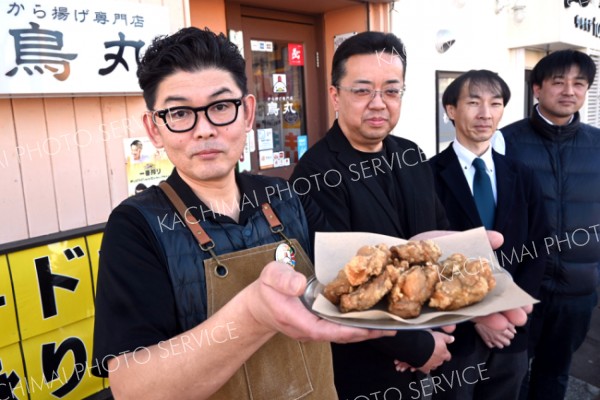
334,249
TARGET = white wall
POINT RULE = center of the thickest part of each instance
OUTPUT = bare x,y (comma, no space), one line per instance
484,40
480,44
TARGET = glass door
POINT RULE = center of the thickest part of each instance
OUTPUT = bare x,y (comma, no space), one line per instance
279,89
282,74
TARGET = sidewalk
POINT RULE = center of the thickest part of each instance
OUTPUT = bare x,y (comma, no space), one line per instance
584,383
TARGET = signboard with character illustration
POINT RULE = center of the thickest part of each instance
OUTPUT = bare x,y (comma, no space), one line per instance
146,165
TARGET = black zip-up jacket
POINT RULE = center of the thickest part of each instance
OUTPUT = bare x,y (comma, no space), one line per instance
348,190
566,160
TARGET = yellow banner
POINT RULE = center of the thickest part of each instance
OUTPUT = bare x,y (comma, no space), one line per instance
53,286
47,323
8,333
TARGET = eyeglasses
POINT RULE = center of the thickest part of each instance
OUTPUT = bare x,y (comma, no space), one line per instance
387,94
184,119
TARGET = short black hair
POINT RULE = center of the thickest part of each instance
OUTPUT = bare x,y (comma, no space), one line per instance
476,78
189,49
370,42
558,62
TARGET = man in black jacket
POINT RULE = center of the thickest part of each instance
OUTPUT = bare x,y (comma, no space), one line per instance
365,179
563,151
160,293
475,103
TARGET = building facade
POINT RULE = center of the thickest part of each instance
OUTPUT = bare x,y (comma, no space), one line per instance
72,148
67,141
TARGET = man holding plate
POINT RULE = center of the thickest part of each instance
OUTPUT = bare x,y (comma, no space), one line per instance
385,187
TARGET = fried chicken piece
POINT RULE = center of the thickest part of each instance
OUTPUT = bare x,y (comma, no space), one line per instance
401,265
394,272
410,276
368,261
412,289
462,282
368,294
420,282
417,252
337,287
452,265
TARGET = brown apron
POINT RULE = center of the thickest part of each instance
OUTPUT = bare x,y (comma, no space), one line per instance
283,368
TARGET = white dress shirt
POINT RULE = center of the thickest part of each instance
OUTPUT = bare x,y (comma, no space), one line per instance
466,157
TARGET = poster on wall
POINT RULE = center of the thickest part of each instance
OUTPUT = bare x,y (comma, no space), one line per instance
339,39
279,83
265,159
146,165
302,145
265,138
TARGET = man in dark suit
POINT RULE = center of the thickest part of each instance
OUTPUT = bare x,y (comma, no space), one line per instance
365,179
475,103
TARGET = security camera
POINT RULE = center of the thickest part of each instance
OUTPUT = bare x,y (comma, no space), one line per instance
444,40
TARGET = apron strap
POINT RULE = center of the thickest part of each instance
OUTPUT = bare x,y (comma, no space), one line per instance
206,243
276,225
274,222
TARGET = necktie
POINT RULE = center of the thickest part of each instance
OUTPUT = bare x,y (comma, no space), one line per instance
483,194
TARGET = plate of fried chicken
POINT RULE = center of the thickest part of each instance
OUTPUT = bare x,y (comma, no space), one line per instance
379,282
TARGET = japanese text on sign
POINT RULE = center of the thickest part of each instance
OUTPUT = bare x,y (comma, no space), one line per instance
46,49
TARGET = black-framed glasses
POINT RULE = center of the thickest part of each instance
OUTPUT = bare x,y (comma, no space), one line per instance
368,94
183,118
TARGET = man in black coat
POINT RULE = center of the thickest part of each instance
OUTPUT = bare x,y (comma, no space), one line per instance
475,103
364,179
563,152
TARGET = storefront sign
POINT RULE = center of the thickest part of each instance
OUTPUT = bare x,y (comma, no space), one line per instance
75,47
582,3
296,54
591,25
588,23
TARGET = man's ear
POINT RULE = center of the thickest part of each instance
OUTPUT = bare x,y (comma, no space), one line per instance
333,95
536,90
249,104
450,111
152,130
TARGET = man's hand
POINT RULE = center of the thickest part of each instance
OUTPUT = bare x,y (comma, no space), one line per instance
503,320
440,354
496,239
493,338
273,302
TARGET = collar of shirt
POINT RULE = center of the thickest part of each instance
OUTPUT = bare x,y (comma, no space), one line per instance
253,196
465,159
537,109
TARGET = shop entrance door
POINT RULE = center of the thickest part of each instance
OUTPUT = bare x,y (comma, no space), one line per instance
281,63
